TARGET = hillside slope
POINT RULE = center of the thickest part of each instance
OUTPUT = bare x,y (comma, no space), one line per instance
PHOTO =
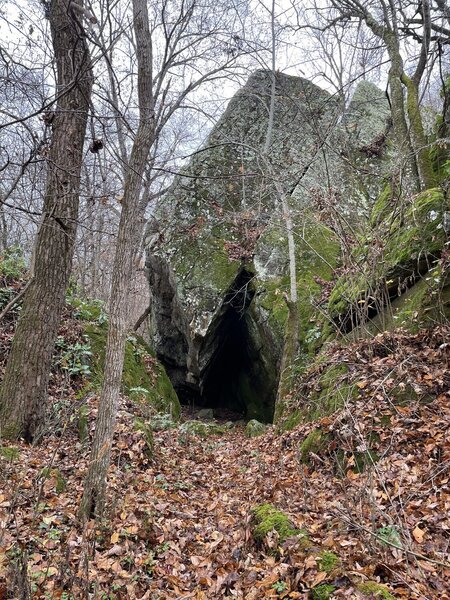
365,491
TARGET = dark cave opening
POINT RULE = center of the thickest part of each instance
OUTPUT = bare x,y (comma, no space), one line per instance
238,369
223,379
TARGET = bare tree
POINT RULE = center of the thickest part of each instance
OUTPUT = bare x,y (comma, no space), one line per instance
23,394
391,22
187,40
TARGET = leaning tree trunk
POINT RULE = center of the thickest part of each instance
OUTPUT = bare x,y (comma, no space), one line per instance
130,233
418,137
23,394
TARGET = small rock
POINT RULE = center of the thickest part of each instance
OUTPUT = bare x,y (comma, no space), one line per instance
254,428
205,414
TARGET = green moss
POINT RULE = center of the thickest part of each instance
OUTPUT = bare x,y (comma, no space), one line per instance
314,442
9,453
291,420
60,481
418,235
323,591
349,290
254,428
382,206
415,238
218,271
82,423
267,518
365,459
87,309
141,372
328,561
317,254
202,429
334,390
372,589
162,422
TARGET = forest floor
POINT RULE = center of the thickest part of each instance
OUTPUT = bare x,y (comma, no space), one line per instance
179,523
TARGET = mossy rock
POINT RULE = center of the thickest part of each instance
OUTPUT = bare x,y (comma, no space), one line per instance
324,591
406,394
382,206
144,379
205,414
267,518
415,239
201,429
254,428
315,442
333,390
372,589
420,232
162,422
291,420
317,255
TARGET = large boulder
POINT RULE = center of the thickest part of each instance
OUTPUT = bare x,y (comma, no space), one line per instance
217,246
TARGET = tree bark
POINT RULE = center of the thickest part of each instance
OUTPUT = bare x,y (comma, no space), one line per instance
23,396
130,233
418,137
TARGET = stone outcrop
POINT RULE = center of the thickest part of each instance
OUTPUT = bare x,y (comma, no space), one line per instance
217,246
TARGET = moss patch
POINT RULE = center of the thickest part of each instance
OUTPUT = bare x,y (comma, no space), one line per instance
419,232
291,421
144,379
147,433
333,390
201,429
314,442
322,591
371,589
328,561
317,254
267,518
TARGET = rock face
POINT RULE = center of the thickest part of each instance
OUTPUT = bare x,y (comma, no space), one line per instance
217,247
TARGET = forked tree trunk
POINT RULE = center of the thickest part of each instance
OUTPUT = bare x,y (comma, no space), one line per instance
23,395
130,233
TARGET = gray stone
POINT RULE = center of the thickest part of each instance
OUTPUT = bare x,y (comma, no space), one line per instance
254,428
205,414
217,246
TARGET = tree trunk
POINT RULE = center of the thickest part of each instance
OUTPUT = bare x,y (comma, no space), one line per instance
399,121
290,350
419,141
128,243
23,395
291,333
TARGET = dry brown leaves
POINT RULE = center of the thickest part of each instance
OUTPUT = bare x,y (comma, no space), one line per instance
179,526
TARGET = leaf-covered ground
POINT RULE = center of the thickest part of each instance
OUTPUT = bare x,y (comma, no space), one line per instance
374,499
